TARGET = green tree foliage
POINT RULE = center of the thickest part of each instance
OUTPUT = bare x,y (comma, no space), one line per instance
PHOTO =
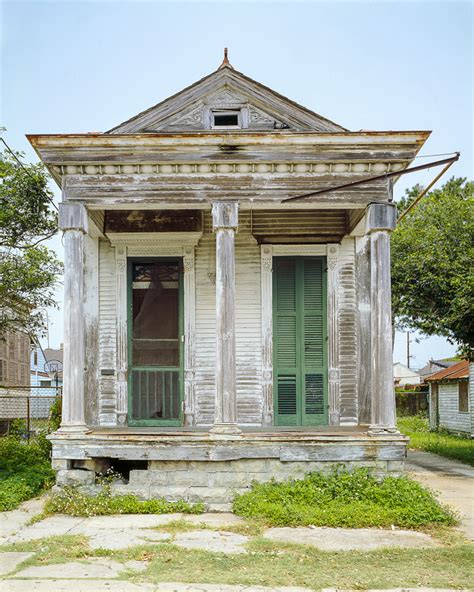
432,263
28,269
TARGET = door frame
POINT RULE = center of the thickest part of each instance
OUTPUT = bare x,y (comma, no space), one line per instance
156,422
331,252
154,244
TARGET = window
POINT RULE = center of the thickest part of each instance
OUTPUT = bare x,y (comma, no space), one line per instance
226,118
35,356
463,392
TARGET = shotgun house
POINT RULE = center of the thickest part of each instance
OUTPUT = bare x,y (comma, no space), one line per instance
452,398
227,293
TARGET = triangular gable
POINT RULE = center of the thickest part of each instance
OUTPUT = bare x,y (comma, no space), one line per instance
226,88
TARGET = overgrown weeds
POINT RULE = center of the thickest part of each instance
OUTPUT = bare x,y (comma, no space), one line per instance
354,499
72,501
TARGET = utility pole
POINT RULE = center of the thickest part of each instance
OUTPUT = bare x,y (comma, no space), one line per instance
408,349
47,328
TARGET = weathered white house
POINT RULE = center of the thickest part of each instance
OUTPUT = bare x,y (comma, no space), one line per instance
227,292
403,375
452,398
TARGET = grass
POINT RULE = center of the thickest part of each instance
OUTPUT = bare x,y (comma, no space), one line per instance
354,499
272,564
25,470
439,442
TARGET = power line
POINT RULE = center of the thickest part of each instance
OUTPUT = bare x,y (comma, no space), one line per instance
28,172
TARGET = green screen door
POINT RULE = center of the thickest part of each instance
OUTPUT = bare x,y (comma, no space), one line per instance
155,329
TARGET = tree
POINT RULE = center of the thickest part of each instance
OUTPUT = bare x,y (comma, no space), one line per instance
28,269
432,263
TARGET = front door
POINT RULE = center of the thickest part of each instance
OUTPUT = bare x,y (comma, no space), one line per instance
155,344
300,341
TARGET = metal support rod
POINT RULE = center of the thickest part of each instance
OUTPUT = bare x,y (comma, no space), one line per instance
426,189
383,176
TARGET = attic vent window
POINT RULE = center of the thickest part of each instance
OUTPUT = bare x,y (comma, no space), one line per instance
226,119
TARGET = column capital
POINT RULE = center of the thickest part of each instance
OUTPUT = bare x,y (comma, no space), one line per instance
73,216
225,214
380,216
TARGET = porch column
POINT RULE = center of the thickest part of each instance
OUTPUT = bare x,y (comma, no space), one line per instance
73,223
381,220
225,222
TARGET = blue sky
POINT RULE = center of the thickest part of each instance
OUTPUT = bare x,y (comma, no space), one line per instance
85,66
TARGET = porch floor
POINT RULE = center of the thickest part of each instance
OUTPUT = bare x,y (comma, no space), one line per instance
249,435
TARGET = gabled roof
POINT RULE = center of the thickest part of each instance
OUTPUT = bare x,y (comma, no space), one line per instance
53,354
225,86
427,370
457,371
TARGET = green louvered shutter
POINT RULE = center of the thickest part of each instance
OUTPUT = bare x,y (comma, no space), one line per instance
300,358
286,350
314,363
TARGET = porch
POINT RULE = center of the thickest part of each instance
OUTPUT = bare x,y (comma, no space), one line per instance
193,464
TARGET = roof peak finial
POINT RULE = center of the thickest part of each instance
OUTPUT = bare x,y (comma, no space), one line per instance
225,61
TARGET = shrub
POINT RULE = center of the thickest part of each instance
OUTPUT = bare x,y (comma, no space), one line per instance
25,471
77,503
55,415
343,499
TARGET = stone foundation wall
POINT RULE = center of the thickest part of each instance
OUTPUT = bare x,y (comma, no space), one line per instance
215,483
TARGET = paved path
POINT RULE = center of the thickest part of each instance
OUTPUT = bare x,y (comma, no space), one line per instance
453,482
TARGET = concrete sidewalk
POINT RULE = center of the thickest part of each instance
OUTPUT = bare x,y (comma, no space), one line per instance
452,481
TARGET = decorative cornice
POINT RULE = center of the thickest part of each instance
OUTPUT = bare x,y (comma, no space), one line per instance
230,168
176,240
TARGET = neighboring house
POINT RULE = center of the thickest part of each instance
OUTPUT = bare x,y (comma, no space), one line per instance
54,359
45,380
14,359
402,375
39,373
227,295
452,398
435,366
14,376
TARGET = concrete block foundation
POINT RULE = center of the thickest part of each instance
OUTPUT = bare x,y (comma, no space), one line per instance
203,469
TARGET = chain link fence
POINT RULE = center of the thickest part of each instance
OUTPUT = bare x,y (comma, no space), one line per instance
31,404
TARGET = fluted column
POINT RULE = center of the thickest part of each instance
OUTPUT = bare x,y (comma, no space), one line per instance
381,220
73,223
225,221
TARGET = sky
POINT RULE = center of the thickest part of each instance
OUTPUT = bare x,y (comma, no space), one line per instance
72,66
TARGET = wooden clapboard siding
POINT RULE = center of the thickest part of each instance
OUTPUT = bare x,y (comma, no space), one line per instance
248,321
248,325
91,328
107,334
347,332
295,226
205,336
449,416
